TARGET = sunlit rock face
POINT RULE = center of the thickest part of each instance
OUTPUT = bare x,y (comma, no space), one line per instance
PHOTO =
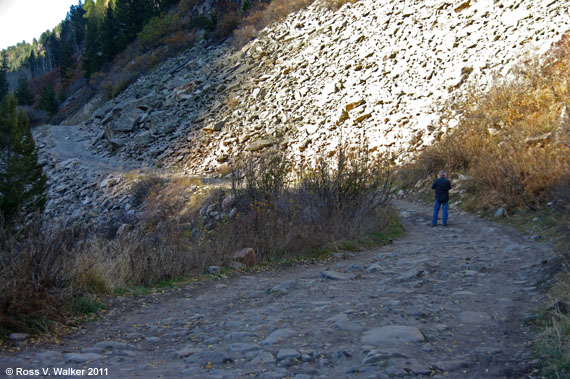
374,70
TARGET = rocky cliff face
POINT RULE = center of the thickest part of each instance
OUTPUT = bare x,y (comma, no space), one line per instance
374,68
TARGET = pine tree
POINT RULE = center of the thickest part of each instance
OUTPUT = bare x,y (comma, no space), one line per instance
125,15
4,87
109,35
131,15
48,101
165,5
24,94
53,50
91,58
67,63
245,5
78,21
22,181
31,63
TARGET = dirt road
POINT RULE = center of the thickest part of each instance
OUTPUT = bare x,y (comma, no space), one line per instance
446,301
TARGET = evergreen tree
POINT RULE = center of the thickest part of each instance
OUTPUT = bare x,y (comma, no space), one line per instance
88,7
109,35
125,15
24,94
67,63
164,5
245,5
66,34
31,63
4,87
48,101
22,181
92,59
78,21
62,95
131,15
53,50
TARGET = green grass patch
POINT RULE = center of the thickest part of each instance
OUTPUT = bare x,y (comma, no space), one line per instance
87,305
352,246
394,229
165,284
27,324
552,349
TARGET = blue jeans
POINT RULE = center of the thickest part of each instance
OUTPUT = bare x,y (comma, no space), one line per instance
436,206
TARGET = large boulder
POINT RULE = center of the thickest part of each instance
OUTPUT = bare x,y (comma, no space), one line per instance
245,256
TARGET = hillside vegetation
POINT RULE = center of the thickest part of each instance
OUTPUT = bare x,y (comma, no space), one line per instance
101,47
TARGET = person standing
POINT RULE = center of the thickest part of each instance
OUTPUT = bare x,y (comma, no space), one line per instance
441,187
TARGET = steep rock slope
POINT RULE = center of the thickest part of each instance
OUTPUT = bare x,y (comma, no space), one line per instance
374,68
378,68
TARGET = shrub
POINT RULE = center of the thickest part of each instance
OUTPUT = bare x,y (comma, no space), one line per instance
47,274
227,24
35,116
281,8
337,4
156,29
208,22
243,35
179,39
119,87
262,15
281,217
513,143
144,187
33,272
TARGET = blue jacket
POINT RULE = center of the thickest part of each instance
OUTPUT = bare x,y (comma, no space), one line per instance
441,187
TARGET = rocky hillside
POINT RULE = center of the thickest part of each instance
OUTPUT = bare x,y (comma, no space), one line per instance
374,68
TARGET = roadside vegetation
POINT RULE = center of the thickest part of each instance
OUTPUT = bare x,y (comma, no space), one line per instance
510,150
49,273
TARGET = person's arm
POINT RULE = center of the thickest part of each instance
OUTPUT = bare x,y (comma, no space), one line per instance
433,185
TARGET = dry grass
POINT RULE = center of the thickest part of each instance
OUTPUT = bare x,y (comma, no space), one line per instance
264,14
281,217
46,275
554,339
337,4
34,269
243,35
513,140
231,102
